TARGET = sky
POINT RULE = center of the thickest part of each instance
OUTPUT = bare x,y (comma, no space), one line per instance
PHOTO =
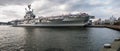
15,9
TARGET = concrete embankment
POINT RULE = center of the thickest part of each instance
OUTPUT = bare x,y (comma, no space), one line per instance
115,46
101,26
116,27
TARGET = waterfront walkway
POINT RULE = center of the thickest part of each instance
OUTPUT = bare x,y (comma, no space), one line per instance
116,27
113,27
115,46
96,26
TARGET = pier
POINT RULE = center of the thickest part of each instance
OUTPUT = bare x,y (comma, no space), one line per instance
115,46
97,26
113,27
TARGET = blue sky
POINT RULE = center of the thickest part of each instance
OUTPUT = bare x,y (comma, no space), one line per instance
14,9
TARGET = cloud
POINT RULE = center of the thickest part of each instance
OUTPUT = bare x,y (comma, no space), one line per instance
55,7
14,9
11,12
47,7
15,2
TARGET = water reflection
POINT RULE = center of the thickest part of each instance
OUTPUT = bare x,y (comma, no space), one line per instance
56,39
54,49
47,38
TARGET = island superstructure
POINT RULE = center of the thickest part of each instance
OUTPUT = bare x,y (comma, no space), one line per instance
80,19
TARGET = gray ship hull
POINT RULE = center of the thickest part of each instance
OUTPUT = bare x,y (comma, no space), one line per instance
50,25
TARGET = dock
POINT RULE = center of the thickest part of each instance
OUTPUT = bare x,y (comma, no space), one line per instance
115,46
115,27
97,26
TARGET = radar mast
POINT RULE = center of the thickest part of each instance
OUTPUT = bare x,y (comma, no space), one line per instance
29,6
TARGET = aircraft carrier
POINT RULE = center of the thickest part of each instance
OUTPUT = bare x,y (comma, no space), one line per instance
79,19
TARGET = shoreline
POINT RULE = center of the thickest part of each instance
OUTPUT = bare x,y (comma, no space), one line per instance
115,45
115,27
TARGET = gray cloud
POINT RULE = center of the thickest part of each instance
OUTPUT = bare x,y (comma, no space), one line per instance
15,2
72,5
98,8
10,13
59,1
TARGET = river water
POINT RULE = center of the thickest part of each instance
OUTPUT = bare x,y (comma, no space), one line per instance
55,39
